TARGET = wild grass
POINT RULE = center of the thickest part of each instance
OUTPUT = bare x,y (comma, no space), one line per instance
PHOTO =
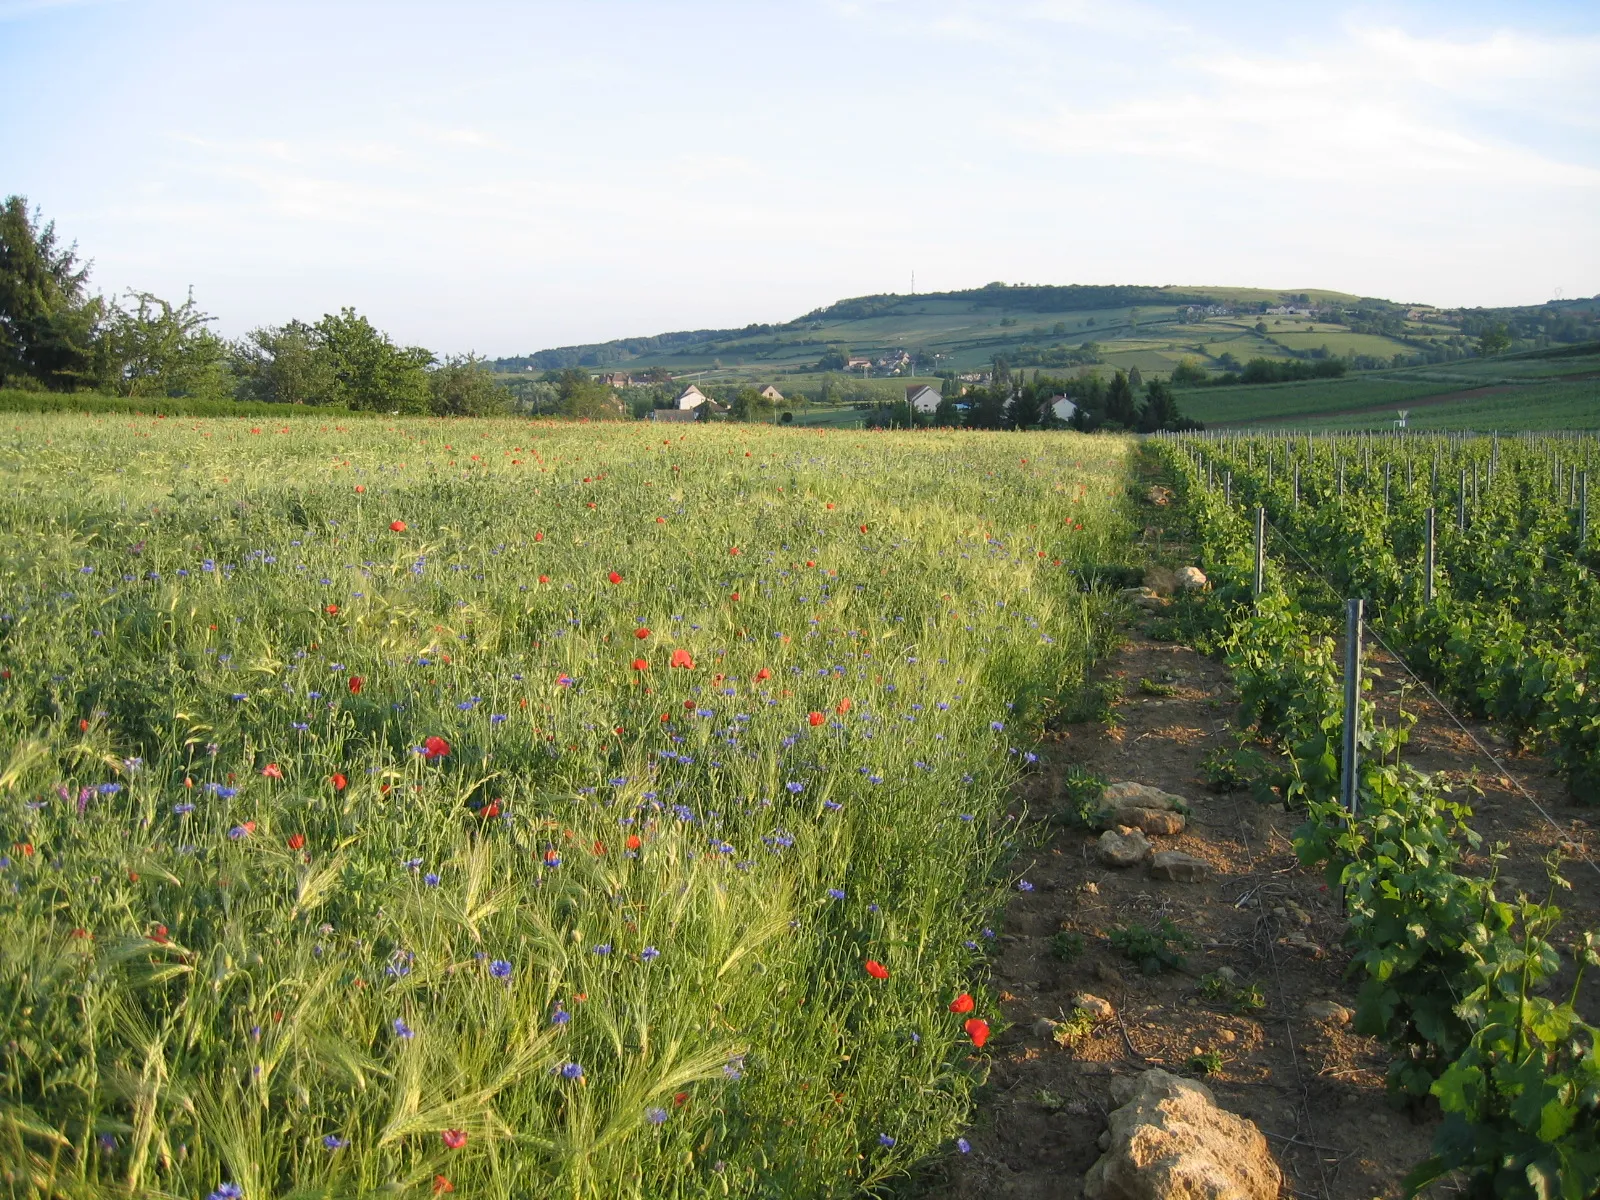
641,929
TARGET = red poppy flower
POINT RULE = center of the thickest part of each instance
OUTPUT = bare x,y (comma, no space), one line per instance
640,664
679,1099
641,633
876,969
159,937
454,1138
815,719
863,529
434,747
80,933
633,841
272,771
297,841
830,507
763,674
338,780
332,610
397,526
24,848
842,707
84,725
977,1029
360,487
733,596
614,577
538,537
682,658
689,705
665,717
599,848
441,1184
249,827
490,810
355,685
962,1004
544,579
733,550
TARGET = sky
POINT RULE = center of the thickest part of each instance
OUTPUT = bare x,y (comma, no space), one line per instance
504,177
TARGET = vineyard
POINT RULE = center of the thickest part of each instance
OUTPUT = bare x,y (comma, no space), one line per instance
424,807
1479,995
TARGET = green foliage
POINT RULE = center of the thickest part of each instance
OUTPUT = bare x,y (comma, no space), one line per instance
1154,948
1070,1031
1205,1062
463,387
155,348
1067,945
581,398
1232,769
283,365
1494,340
1225,992
48,325
369,371
1148,687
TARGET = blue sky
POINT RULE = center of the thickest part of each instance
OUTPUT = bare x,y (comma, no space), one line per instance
502,177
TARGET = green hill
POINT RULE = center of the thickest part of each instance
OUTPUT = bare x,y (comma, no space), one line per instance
1388,349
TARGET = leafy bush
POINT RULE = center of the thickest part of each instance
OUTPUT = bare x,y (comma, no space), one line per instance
1154,948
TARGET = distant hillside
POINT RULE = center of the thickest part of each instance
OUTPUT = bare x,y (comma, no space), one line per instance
1069,328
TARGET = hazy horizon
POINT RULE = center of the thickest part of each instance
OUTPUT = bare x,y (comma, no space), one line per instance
504,178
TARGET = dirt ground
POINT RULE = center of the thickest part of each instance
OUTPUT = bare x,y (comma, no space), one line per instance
1314,1088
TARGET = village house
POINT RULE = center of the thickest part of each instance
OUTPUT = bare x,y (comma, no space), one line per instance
922,398
1062,408
771,393
691,397
858,364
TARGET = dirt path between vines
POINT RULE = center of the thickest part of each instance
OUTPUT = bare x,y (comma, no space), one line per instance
1313,1087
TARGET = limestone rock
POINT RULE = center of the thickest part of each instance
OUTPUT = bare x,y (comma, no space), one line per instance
1191,579
1096,1007
1127,794
1150,820
1123,848
1328,1012
1168,1140
1160,580
1178,867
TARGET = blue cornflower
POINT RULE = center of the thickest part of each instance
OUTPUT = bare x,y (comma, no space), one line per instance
963,1145
603,948
997,726
183,810
500,969
496,718
411,864
431,879
226,1191
796,788
1024,886
401,1029
966,816
334,1142
649,953
885,1140
836,893
109,789
238,832
299,726
832,805
560,1017
655,1115
571,1070
240,696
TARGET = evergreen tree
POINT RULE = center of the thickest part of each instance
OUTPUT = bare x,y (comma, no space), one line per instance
48,326
1119,402
1160,409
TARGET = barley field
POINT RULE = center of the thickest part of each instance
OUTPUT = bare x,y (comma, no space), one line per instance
515,809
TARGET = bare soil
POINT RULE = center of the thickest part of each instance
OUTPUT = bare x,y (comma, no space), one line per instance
1313,1087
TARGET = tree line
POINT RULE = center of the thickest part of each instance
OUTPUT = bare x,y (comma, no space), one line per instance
56,336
